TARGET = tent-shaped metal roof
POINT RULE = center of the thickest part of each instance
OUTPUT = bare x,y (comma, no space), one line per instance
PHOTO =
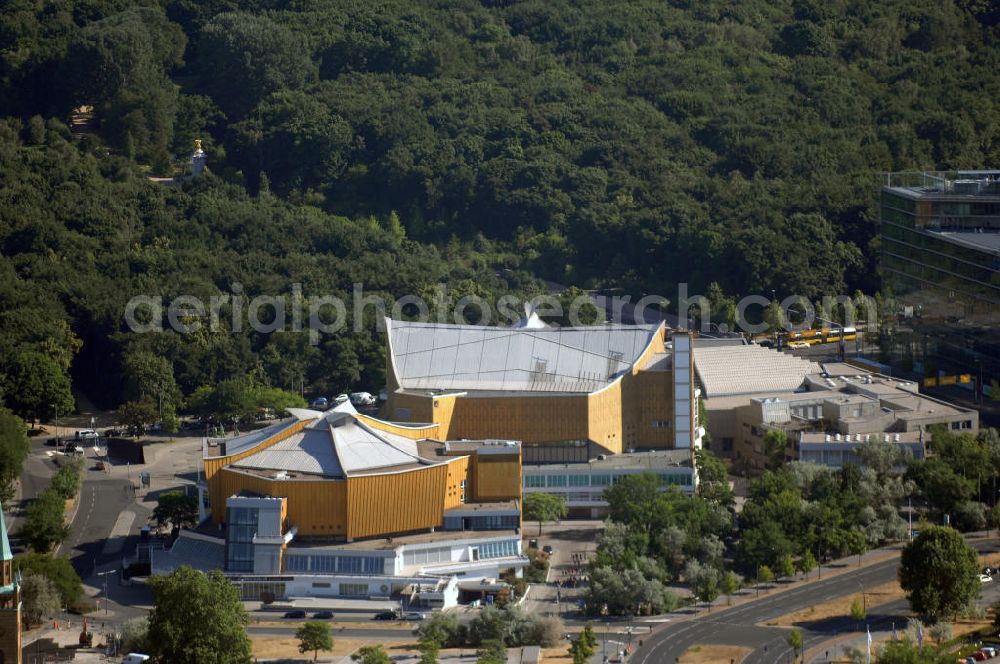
441,357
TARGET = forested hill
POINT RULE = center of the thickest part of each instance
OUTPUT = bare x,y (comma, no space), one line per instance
630,144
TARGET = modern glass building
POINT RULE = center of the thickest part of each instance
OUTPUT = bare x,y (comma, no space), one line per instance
940,259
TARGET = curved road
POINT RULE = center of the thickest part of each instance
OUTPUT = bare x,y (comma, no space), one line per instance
739,625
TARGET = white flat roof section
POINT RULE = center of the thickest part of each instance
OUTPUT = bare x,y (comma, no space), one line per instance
750,369
431,356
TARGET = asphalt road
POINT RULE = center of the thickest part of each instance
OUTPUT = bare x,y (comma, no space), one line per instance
369,634
739,625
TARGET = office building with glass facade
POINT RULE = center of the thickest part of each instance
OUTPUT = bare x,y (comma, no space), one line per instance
940,262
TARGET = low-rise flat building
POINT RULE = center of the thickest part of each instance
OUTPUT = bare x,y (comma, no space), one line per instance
769,390
583,484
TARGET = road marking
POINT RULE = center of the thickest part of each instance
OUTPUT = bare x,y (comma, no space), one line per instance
116,539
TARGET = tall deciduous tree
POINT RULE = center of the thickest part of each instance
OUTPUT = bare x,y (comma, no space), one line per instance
197,618
371,655
313,637
41,598
38,387
246,57
14,448
543,507
43,525
939,572
177,509
57,570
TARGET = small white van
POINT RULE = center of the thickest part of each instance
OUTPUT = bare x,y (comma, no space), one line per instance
135,658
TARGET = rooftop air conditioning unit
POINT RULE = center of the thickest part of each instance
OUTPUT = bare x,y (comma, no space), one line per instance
887,438
827,438
896,437
837,437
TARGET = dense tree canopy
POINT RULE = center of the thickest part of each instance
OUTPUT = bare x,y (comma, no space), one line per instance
634,144
939,572
199,618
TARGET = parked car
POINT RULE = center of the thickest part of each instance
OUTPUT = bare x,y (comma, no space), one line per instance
795,345
341,398
295,614
135,658
985,578
979,656
414,615
386,615
547,549
99,465
323,615
319,402
86,434
362,399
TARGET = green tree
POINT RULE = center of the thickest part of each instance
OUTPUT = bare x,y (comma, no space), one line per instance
14,448
765,575
314,636
939,572
137,416
787,566
197,618
429,652
38,388
775,448
491,651
43,525
135,634
907,652
66,482
371,655
730,584
57,570
542,507
584,646
807,563
245,57
858,612
41,598
713,478
795,642
441,628
177,509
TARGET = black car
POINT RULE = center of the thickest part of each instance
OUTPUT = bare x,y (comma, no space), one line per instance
323,615
295,614
385,615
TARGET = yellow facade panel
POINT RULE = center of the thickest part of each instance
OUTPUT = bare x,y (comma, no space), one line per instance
496,477
317,507
396,503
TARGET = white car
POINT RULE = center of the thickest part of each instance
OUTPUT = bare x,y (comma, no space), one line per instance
985,578
340,398
795,345
362,399
86,434
414,615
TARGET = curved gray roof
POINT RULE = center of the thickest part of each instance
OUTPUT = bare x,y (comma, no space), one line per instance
335,445
433,356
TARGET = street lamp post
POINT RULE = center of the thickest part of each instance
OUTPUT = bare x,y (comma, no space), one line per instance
106,596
